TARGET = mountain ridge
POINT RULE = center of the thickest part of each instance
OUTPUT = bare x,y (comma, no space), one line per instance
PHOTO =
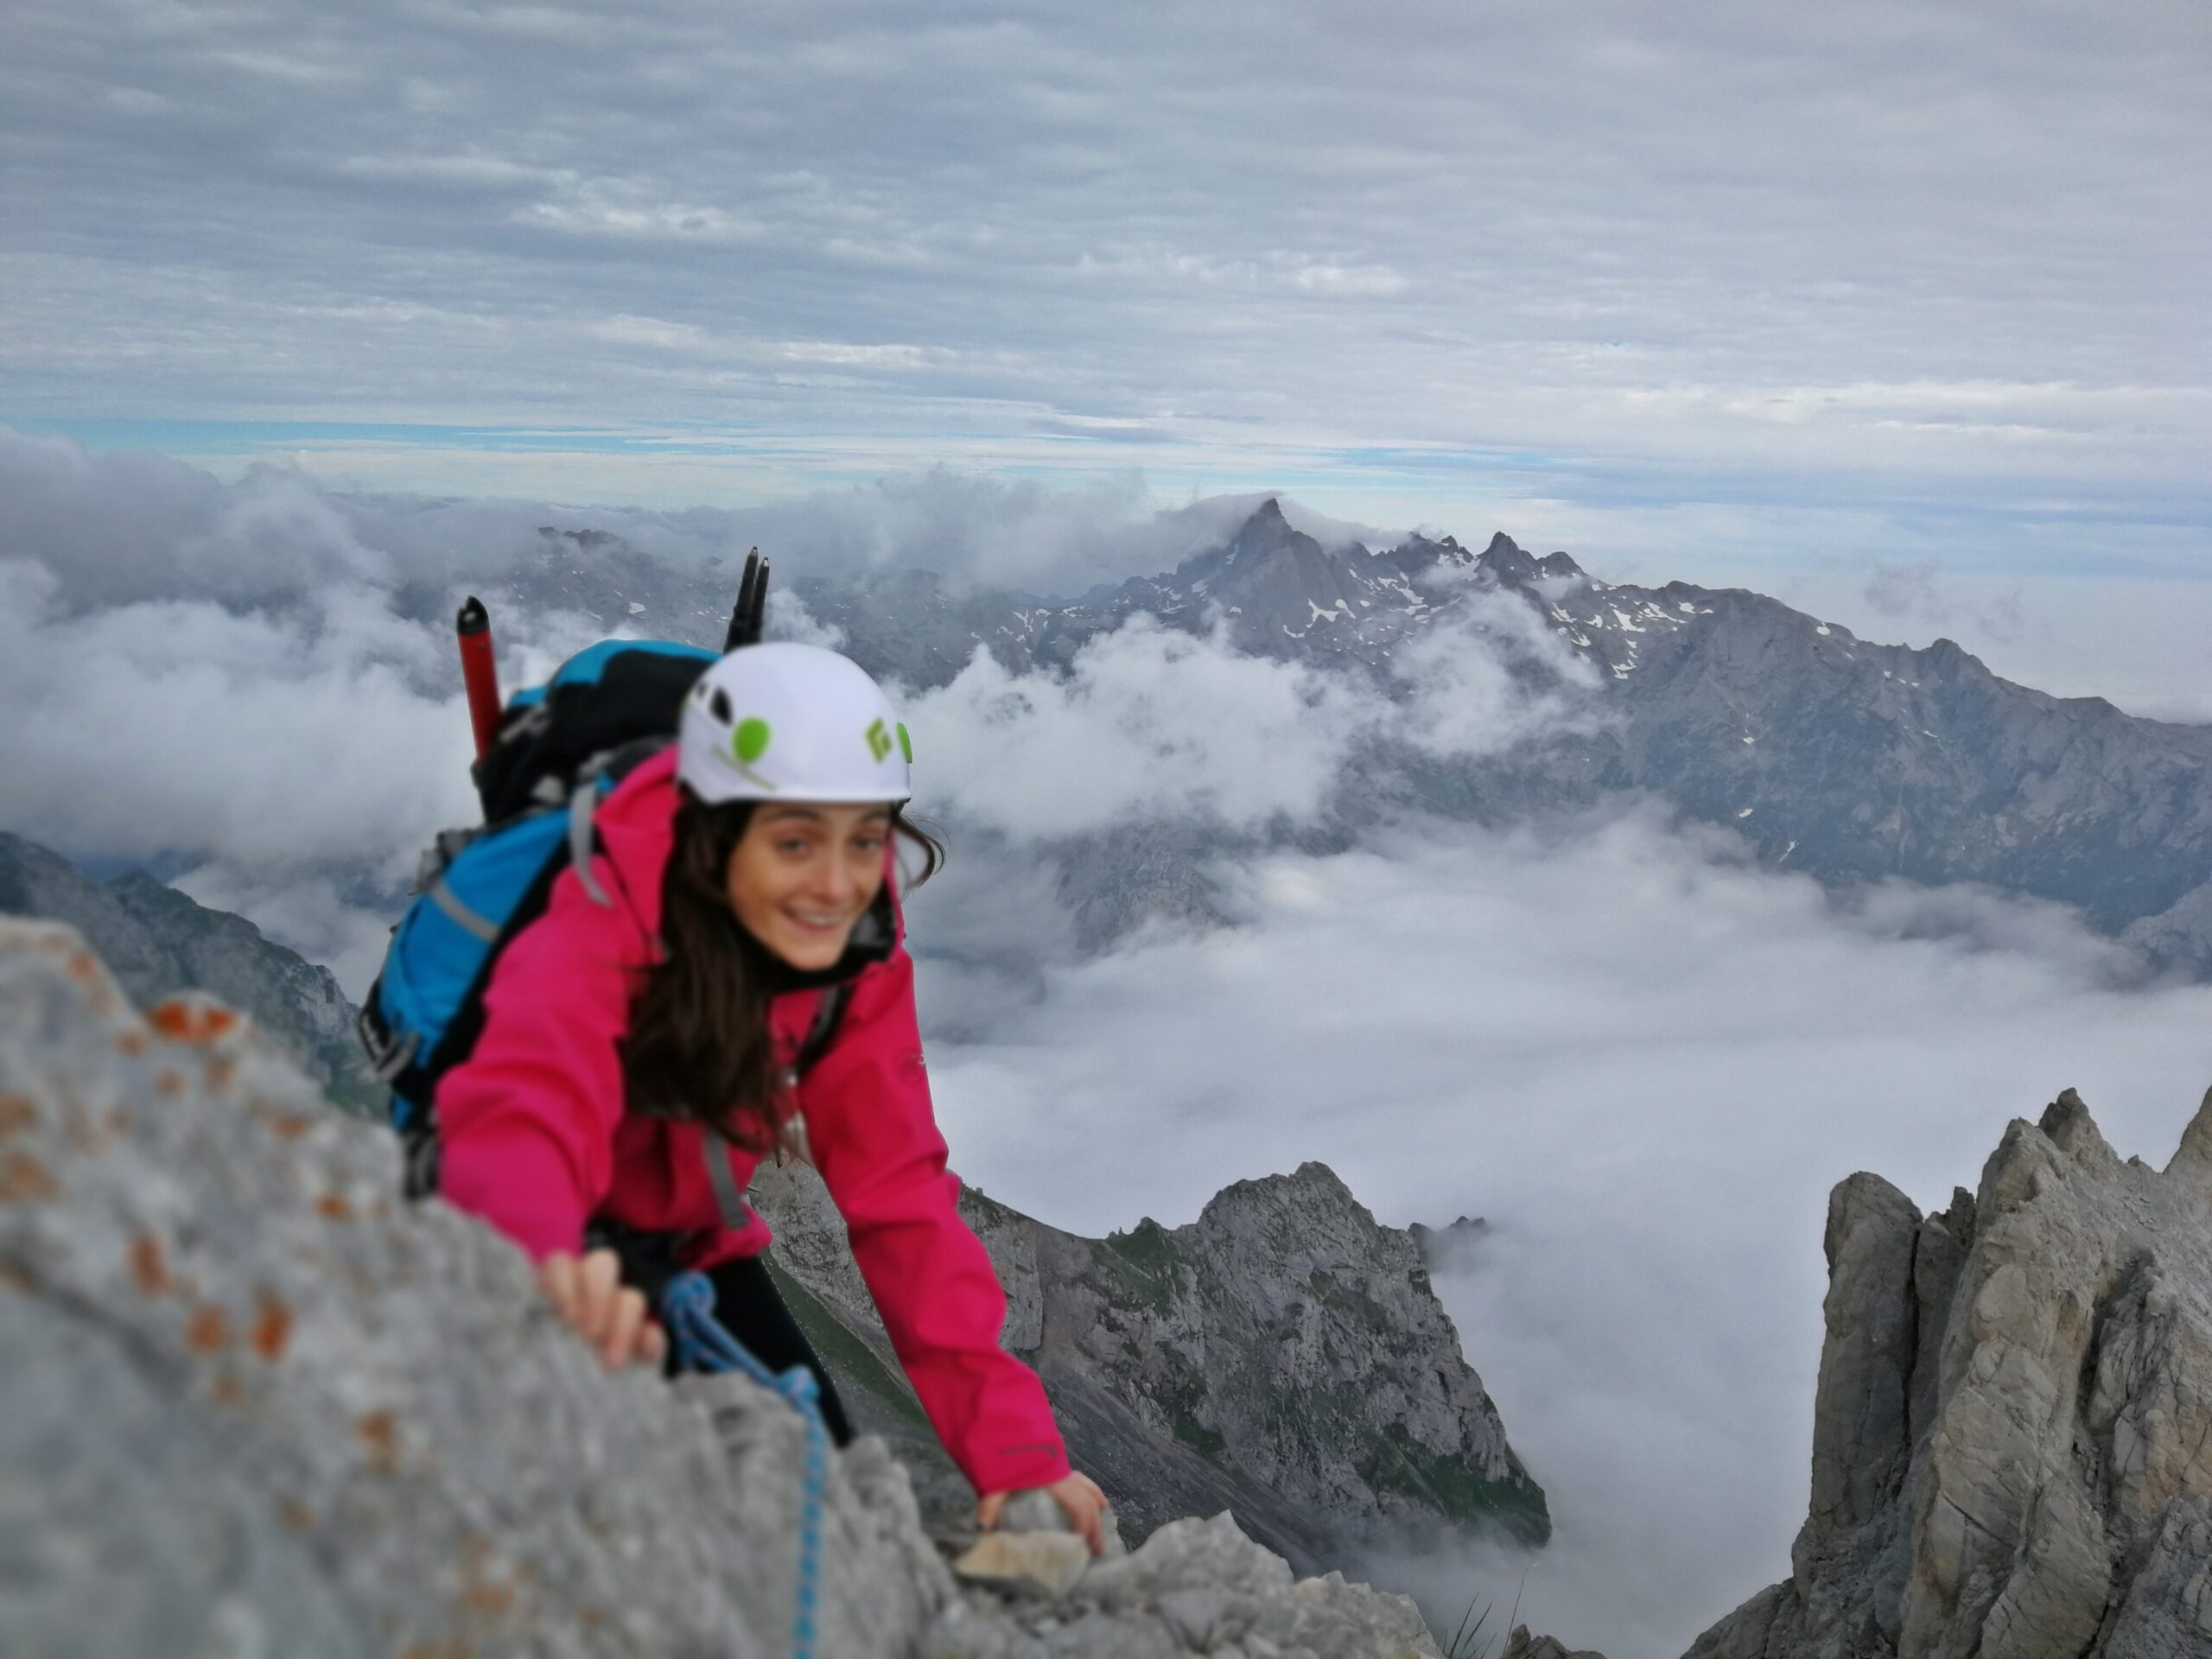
158,941
1853,760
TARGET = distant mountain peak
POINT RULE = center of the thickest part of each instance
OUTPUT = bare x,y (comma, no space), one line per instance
1513,565
1267,529
1507,560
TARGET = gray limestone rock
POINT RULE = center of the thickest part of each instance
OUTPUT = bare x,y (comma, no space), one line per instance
2179,937
2012,1438
1282,1356
1522,1645
1194,1587
249,1402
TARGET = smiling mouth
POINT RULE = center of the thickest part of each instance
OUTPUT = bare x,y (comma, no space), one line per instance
819,924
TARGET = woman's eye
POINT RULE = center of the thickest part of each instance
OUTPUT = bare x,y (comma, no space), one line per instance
793,847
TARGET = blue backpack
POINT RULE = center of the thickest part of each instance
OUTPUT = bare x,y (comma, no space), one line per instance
562,747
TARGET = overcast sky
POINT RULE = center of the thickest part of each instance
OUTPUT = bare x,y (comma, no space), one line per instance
1766,283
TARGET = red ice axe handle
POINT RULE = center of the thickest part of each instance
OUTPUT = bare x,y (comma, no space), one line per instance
479,672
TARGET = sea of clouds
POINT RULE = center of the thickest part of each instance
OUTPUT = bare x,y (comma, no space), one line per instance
1642,1058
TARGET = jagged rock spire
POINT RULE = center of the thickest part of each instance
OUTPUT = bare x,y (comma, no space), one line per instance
2009,1454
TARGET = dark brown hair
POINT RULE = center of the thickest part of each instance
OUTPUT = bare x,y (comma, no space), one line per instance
699,1046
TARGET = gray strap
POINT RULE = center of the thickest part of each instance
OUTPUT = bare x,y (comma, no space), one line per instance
728,1196
461,916
581,804
401,1056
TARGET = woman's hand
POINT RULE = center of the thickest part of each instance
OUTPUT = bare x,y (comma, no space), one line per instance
1076,1494
591,1297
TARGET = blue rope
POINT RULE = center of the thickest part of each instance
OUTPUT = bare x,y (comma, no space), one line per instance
702,1344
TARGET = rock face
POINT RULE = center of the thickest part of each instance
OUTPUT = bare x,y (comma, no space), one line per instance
2012,1439
1283,1356
249,1403
157,941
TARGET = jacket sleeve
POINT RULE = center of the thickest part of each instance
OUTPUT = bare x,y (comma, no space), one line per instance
874,1139
526,1123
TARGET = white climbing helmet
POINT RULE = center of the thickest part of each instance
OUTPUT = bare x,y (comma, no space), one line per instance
790,723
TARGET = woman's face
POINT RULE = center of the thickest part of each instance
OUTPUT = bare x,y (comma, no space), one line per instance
802,876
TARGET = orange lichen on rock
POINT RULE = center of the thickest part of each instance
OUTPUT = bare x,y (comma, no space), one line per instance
287,1126
133,1041
334,1206
168,1082
22,1177
149,1265
186,1020
17,1112
294,1514
380,1434
481,1592
208,1330
273,1327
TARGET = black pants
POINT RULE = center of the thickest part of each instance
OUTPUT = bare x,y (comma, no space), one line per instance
747,1306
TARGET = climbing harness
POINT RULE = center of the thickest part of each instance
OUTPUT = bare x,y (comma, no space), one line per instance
687,1308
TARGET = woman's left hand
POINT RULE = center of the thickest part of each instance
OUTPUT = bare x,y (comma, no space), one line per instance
1078,1494
590,1297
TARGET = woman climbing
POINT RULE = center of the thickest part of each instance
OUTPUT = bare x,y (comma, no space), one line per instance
725,977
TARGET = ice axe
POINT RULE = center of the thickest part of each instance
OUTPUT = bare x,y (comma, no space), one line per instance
479,672
751,607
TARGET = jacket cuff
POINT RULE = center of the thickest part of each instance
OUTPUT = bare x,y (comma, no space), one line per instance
1018,1469
517,1183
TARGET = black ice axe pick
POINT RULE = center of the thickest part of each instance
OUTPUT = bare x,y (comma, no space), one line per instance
751,607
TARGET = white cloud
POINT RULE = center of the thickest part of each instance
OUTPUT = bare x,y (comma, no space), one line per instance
1148,725
294,736
1489,675
839,354
1353,281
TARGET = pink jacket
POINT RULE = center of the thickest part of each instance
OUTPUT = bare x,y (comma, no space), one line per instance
536,1138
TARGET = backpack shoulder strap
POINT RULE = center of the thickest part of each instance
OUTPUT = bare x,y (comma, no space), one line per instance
827,1018
728,1199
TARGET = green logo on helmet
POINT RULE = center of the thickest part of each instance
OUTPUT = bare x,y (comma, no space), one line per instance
748,744
906,744
879,740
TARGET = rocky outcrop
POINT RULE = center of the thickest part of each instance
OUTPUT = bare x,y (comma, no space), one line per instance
157,941
1283,1356
2013,1437
1522,1645
2179,937
250,1403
